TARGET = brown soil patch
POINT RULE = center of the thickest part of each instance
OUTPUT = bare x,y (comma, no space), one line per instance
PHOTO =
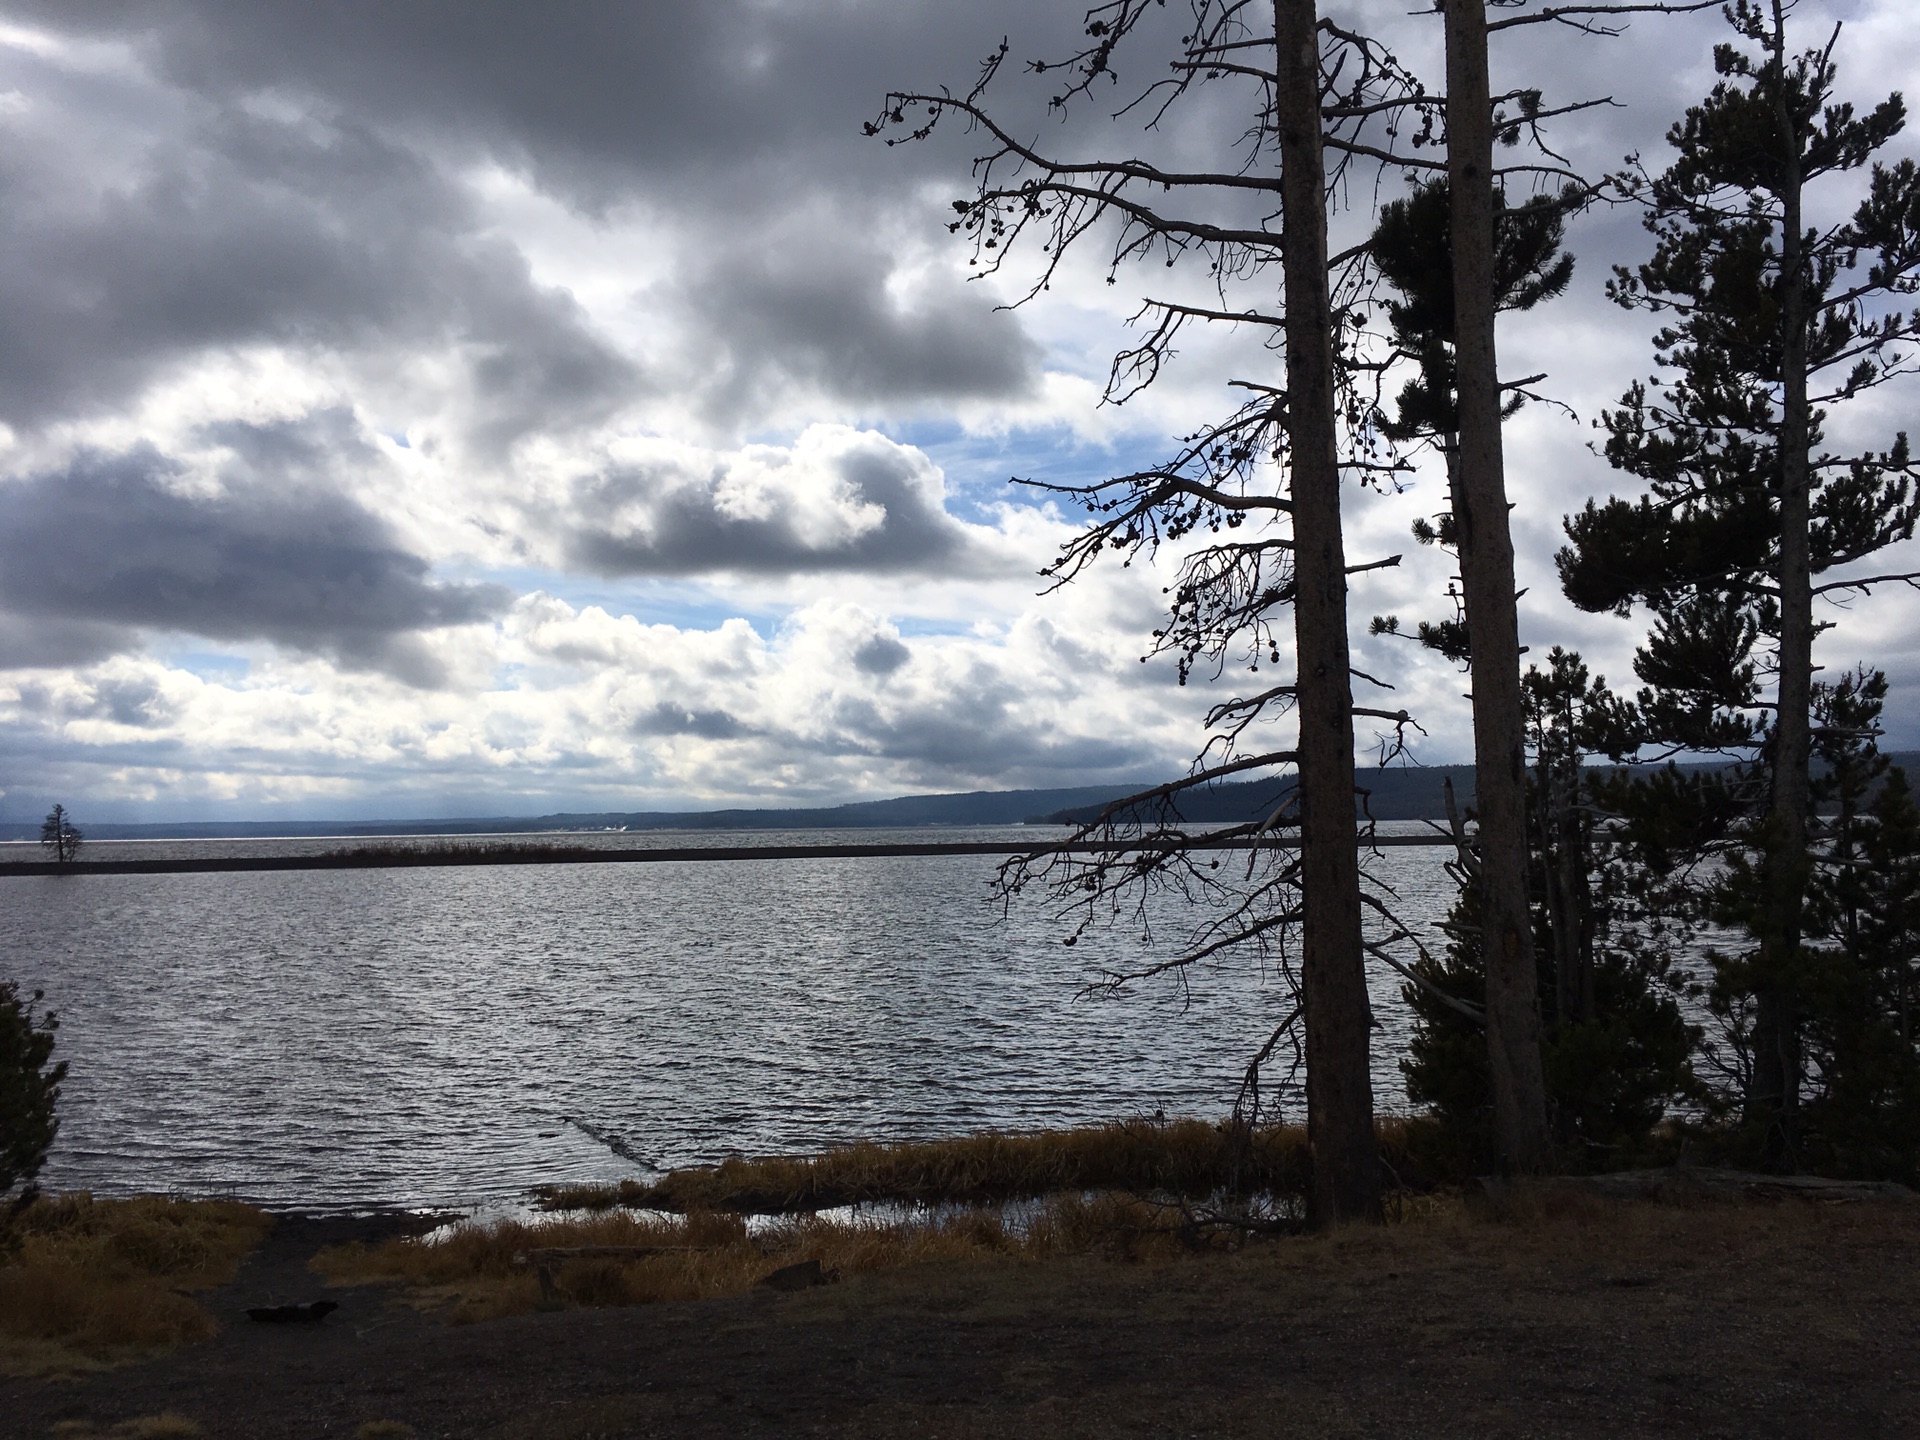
1566,1317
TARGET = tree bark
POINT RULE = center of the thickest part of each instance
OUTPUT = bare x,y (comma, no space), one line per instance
1346,1162
1486,573
1774,1101
1560,874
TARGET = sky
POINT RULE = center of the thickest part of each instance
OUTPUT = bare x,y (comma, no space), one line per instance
423,408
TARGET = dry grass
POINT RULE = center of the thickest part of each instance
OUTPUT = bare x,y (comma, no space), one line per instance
1130,1190
475,1272
1189,1158
478,1272
99,1281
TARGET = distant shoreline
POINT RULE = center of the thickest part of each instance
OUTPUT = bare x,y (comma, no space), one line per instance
401,857
1394,793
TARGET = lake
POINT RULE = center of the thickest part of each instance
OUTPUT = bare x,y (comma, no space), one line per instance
443,1037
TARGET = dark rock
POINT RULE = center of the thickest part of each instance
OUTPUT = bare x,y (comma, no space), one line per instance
293,1314
805,1275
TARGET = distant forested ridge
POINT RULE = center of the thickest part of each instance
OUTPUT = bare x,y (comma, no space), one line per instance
1401,793
983,807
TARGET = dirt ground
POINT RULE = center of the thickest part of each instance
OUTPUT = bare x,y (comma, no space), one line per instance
1582,1318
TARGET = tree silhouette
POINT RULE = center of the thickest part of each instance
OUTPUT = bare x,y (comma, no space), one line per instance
1862,1111
1249,506
1413,250
1773,319
1241,503
29,1088
1616,1046
58,835
1476,119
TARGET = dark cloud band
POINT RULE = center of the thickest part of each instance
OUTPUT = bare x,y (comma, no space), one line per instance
839,500
109,546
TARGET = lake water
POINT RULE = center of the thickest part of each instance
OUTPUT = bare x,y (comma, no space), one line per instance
438,1037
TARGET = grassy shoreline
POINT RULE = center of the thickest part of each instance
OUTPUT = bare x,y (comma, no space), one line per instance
1565,1315
98,1282
1191,1159
94,1283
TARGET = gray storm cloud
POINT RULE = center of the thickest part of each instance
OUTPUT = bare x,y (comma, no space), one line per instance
296,176
839,500
820,316
667,718
974,728
118,261
882,655
107,548
724,98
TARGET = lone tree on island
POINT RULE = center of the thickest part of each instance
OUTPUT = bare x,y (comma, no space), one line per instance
58,835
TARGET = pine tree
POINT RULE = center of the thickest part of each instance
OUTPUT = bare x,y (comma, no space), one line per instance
1616,1046
1482,534
1863,941
1889,936
1484,538
29,1089
1412,249
1772,319
58,834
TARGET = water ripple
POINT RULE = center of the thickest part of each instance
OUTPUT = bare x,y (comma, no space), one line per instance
454,1036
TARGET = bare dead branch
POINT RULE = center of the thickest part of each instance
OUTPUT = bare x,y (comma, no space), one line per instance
1573,14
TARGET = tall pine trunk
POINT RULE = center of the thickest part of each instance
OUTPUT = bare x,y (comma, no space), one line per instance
1486,573
1346,1163
1774,1101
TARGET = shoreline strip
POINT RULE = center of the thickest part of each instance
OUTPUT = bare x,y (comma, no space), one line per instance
399,858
